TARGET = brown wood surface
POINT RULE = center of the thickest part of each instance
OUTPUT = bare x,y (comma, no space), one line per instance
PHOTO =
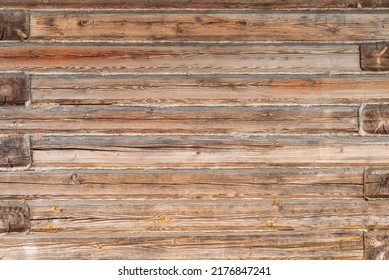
375,119
179,57
14,151
215,26
376,245
14,89
195,119
254,245
14,217
189,183
204,150
14,25
375,57
376,183
373,3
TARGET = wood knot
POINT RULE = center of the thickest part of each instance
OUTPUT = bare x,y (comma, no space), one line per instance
83,22
243,23
57,208
52,227
164,219
198,152
75,179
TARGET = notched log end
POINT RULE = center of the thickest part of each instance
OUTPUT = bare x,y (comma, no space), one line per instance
14,90
374,57
14,151
376,245
14,218
14,25
373,3
376,183
375,120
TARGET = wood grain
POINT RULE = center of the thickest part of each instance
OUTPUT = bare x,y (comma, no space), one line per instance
14,89
203,183
375,119
207,214
14,151
205,150
376,183
198,4
195,119
14,216
376,245
215,26
188,245
373,3
196,89
178,58
14,25
375,57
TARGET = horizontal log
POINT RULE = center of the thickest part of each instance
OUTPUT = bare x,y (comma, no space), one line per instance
215,26
14,151
180,119
14,89
375,57
204,183
375,119
207,214
178,58
194,150
188,245
376,183
14,25
14,216
376,244
81,89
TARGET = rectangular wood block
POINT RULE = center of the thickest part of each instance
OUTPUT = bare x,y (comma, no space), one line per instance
14,90
14,25
14,151
376,245
375,119
375,56
14,217
376,183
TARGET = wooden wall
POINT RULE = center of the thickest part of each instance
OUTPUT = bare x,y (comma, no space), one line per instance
219,129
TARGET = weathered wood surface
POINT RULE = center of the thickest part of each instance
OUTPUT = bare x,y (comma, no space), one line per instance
375,57
179,57
195,119
376,183
190,183
14,151
204,150
14,25
188,245
14,89
376,244
215,26
375,119
373,3
14,217
207,214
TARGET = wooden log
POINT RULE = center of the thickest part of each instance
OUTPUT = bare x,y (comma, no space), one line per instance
205,150
14,217
14,151
375,57
373,3
195,89
173,183
376,244
207,214
198,4
14,25
188,245
179,58
376,183
14,89
215,26
181,119
375,119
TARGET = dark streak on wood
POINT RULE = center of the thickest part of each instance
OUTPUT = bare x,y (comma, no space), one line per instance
376,183
14,151
376,245
14,217
14,90
14,25
374,57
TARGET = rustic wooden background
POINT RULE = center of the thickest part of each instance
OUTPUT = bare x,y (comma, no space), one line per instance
194,129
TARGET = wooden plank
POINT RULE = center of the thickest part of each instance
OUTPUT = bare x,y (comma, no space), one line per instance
375,119
14,89
373,3
204,183
375,57
376,183
181,119
198,4
14,25
14,151
178,58
188,245
215,26
207,214
14,216
376,244
195,89
204,150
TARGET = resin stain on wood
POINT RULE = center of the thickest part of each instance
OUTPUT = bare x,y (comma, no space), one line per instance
376,183
14,151
14,25
375,57
14,217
